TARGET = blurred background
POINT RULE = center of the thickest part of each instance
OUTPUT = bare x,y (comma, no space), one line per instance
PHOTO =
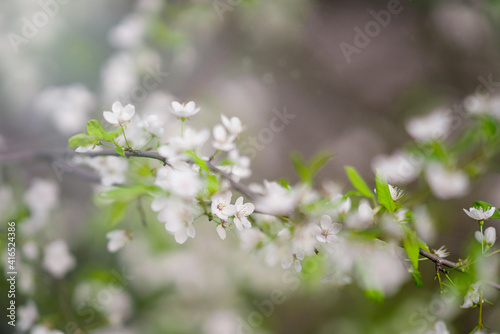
340,76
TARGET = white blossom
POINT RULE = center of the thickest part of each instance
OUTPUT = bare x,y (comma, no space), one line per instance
111,169
221,205
241,212
222,140
129,32
184,110
446,184
27,315
439,328
41,329
42,196
153,125
191,140
184,183
177,215
276,199
326,231
119,114
117,239
233,125
396,193
57,259
489,237
473,296
344,206
293,260
435,125
442,252
480,214
399,168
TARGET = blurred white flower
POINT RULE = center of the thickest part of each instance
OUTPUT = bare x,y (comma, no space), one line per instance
222,140
117,239
446,184
241,167
475,105
41,329
293,260
162,177
185,183
439,328
153,125
30,250
276,199
399,168
120,114
27,315
184,110
221,322
489,237
119,76
191,140
57,259
90,148
129,32
326,231
480,214
42,196
435,125
473,295
361,219
233,125
241,212
177,215
221,205
68,106
344,206
111,169
250,238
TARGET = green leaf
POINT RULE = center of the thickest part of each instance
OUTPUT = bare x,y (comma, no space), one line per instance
199,161
375,295
318,162
423,245
117,213
82,139
119,150
127,194
383,193
95,128
285,183
212,184
358,182
300,166
110,136
411,246
418,278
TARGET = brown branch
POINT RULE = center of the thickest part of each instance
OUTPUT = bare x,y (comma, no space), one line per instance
129,152
438,260
450,264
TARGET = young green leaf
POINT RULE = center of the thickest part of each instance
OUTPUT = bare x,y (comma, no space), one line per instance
119,150
82,139
383,193
300,167
411,246
358,182
95,128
